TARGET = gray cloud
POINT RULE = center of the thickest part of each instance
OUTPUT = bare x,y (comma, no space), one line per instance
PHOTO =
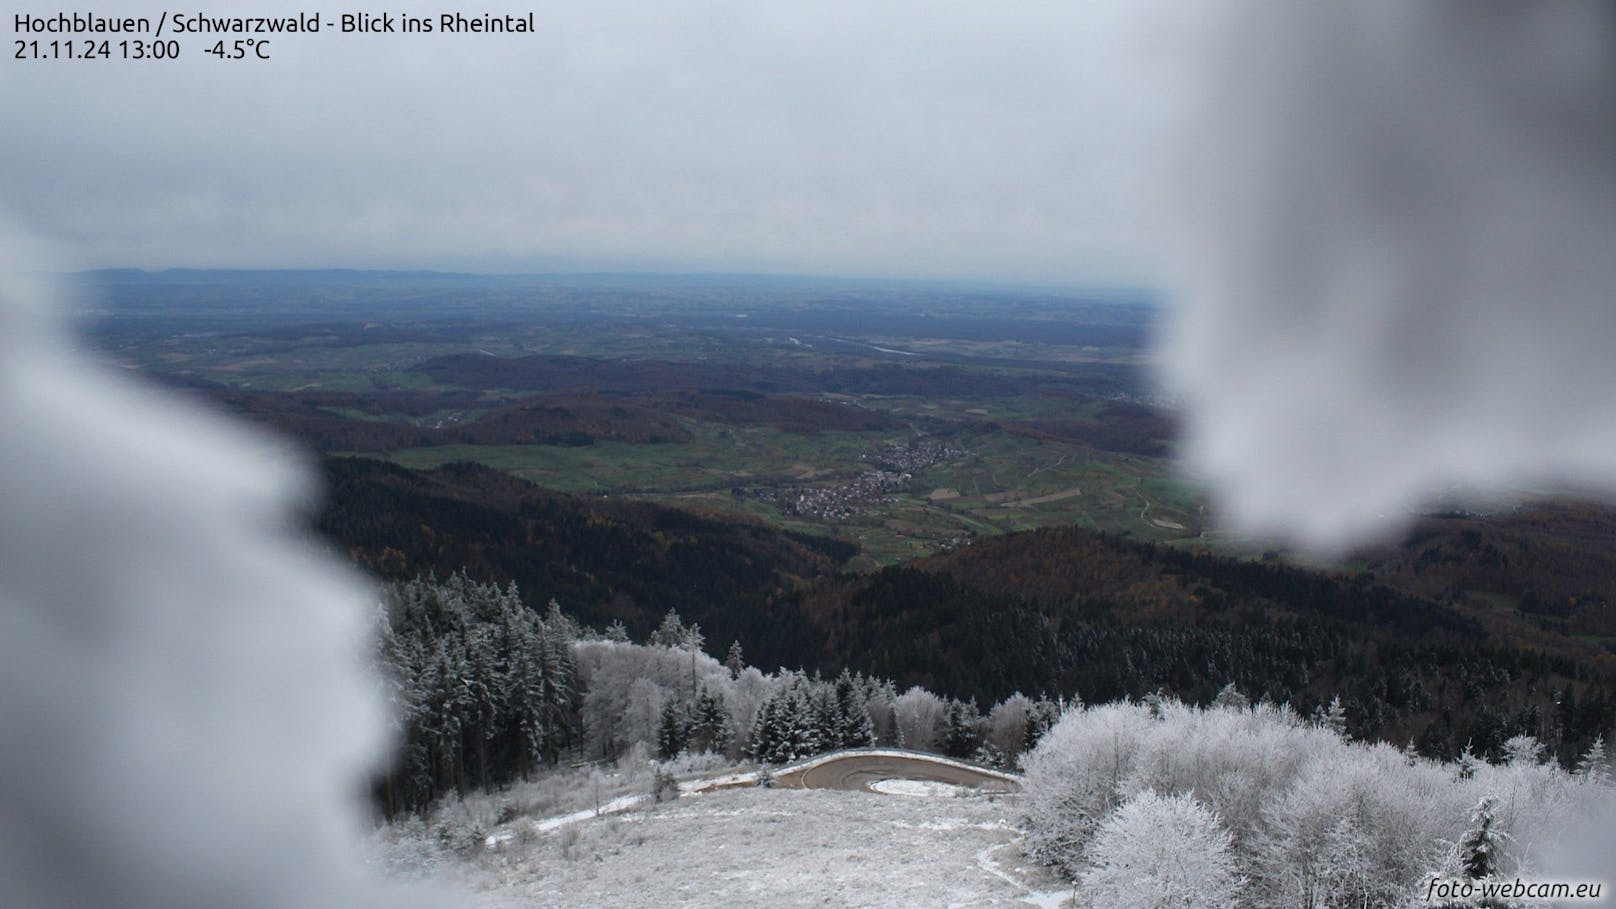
897,138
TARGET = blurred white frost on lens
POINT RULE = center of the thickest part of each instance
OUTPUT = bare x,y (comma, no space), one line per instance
1397,260
187,720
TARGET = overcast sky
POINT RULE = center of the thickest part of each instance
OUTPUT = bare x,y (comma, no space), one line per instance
904,137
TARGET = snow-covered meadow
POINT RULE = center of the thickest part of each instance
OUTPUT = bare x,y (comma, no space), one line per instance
757,847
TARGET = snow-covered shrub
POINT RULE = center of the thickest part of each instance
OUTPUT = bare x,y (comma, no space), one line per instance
1232,759
664,785
1074,777
1358,823
1160,852
702,762
1313,819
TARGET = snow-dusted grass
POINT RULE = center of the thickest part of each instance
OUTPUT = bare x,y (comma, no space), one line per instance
767,847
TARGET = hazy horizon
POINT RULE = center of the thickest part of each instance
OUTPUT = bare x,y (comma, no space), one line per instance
909,141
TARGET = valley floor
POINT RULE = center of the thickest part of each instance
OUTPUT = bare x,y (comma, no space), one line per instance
916,846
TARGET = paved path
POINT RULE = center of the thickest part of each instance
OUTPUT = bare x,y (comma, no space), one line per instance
858,770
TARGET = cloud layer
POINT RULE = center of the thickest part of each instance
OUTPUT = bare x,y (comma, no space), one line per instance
902,138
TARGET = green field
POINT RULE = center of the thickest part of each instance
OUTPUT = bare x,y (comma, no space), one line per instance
1003,483
1012,384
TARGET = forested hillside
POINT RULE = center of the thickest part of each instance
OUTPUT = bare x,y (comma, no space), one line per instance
1061,612
604,559
1070,610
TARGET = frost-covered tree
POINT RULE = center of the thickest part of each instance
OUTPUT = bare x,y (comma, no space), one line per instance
1042,714
1333,716
880,700
490,689
1006,727
1523,750
673,632
853,726
919,715
1161,852
735,662
784,729
1594,766
709,726
626,685
961,731
988,755
763,742
1073,779
1483,843
1231,697
559,624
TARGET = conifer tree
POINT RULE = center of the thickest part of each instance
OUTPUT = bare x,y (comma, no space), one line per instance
960,735
1333,717
673,730
824,729
1042,715
765,737
560,625
709,723
854,729
671,633
1482,844
1594,766
1231,697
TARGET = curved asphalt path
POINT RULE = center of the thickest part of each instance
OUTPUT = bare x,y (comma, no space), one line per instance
856,770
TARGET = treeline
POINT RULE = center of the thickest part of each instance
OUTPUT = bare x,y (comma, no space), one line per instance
1116,426
554,373
1065,611
390,421
485,691
1072,611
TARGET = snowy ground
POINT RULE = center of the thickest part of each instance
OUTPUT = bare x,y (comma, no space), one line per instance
928,846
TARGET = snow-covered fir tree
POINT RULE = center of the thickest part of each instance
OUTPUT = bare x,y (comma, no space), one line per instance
961,728
1594,766
1333,716
673,730
673,632
1482,845
852,727
709,724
